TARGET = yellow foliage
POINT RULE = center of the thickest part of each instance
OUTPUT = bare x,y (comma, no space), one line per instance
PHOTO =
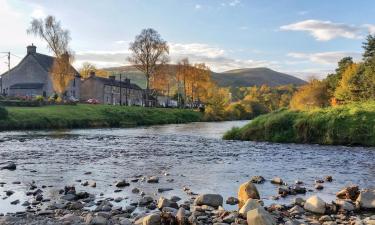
311,95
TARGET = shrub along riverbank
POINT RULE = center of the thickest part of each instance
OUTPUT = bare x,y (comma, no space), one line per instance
351,124
91,116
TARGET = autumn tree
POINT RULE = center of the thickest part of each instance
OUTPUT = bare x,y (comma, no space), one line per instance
148,52
87,68
311,95
57,38
182,73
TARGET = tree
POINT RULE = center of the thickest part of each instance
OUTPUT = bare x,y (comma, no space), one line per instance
311,95
369,47
87,68
333,80
149,51
57,40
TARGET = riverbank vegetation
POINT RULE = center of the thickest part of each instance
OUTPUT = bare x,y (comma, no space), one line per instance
339,109
90,116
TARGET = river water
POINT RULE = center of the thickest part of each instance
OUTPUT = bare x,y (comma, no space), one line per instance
192,154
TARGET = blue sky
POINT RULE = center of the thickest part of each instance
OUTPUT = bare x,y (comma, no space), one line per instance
301,37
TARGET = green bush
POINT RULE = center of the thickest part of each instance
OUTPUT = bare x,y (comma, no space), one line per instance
3,113
352,124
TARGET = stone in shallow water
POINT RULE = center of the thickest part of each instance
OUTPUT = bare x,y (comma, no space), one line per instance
315,204
153,179
247,190
366,199
122,183
250,204
259,216
9,166
213,200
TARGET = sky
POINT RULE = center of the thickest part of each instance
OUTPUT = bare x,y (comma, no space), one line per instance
300,37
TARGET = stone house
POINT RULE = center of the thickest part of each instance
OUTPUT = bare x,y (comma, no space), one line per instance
107,91
31,77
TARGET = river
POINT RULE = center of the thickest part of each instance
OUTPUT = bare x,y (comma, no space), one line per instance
193,155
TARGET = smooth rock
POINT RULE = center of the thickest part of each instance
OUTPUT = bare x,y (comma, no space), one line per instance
277,180
350,192
250,204
153,179
247,190
259,216
213,200
122,183
153,219
315,204
366,199
232,201
99,220
257,180
9,166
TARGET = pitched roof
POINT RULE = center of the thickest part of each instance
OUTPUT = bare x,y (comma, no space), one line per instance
112,82
44,61
27,86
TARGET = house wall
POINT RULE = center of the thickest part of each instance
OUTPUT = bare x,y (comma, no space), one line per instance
28,71
91,88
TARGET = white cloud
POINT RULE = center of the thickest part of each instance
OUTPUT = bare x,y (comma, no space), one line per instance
122,42
38,13
231,3
371,28
325,30
197,6
215,57
324,58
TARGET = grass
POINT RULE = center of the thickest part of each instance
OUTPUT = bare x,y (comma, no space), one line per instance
351,124
90,116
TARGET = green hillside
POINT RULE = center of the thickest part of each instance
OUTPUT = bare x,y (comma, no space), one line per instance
233,78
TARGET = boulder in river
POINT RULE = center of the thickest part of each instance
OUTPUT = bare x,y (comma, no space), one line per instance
9,166
213,200
122,183
153,179
366,199
277,180
164,202
232,201
315,204
257,180
259,216
350,192
247,190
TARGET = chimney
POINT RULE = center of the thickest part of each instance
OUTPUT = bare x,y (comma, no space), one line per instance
31,49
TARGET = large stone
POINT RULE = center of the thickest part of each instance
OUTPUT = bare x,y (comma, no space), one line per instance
213,200
181,216
366,199
277,180
153,219
345,205
260,216
122,183
315,204
163,202
99,220
250,204
247,190
350,192
9,166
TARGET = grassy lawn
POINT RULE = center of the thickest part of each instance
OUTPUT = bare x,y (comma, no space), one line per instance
352,124
84,116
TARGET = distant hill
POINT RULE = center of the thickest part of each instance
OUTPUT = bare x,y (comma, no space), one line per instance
232,78
254,76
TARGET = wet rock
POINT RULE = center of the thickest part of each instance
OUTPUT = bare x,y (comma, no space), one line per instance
296,210
214,200
345,205
247,190
99,220
125,221
16,182
76,206
260,216
351,192
153,219
250,204
39,197
299,201
232,201
70,219
45,212
164,202
15,202
161,190
277,180
257,180
9,192
319,187
122,183
145,200
9,166
315,204
25,203
325,218
135,190
153,179
175,198
69,197
118,199
366,199
319,181
298,189
181,216
328,178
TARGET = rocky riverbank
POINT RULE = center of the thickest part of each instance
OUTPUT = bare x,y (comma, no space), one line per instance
353,206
